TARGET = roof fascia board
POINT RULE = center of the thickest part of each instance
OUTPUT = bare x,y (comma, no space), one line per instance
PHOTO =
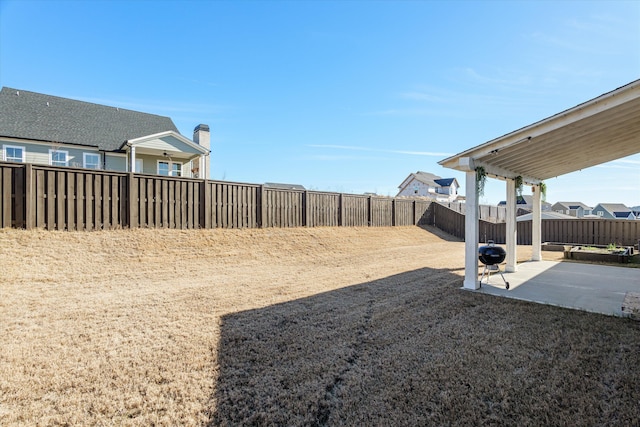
407,181
606,101
143,139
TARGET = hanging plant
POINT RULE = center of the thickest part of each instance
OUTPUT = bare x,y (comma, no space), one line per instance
518,181
543,190
481,180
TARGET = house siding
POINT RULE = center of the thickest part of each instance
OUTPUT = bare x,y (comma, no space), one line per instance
114,162
38,153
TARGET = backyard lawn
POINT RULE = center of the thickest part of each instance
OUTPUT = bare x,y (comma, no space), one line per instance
305,326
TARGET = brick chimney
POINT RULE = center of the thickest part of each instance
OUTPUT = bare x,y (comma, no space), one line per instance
202,137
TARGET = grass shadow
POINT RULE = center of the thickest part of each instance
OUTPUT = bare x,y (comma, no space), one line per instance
413,349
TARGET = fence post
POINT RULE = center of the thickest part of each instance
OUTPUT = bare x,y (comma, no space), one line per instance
370,211
205,204
305,208
262,208
132,202
30,198
393,212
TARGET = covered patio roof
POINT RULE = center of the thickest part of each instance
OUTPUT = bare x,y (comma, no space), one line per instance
597,131
603,129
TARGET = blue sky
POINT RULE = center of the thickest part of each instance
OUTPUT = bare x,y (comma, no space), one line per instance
347,96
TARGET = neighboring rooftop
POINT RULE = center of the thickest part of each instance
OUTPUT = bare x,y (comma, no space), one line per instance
575,205
545,215
40,117
426,177
444,182
525,199
284,186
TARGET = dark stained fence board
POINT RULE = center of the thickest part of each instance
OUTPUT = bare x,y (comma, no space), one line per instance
6,184
356,210
80,202
19,193
423,212
404,212
323,209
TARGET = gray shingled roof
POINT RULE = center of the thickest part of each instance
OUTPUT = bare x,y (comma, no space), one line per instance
615,208
36,116
574,205
283,186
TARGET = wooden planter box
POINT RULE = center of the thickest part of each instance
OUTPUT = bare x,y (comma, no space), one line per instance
578,253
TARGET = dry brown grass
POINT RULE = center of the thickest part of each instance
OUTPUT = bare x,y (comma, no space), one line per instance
326,326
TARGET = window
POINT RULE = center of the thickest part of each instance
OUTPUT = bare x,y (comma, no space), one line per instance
600,213
138,168
58,158
163,168
91,161
169,168
14,153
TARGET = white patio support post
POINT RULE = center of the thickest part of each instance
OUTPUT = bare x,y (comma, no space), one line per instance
202,174
132,160
512,236
536,225
471,229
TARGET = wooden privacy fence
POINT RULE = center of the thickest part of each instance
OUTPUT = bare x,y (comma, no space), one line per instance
579,231
485,212
62,198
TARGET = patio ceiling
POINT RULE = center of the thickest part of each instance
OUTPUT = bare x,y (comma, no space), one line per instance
603,129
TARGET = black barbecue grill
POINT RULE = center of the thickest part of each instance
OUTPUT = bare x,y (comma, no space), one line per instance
491,256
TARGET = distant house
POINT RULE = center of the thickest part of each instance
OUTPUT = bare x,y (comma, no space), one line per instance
613,211
577,209
279,186
525,202
50,130
425,184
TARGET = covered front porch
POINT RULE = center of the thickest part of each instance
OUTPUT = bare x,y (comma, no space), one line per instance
167,153
603,129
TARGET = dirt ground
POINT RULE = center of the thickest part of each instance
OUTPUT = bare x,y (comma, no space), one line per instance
322,326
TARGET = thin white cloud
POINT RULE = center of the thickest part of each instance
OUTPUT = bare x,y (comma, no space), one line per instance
412,112
629,161
381,150
515,79
621,164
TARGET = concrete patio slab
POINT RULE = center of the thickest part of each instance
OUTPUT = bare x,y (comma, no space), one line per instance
588,287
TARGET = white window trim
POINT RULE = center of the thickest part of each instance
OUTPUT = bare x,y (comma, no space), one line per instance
170,163
84,160
66,156
4,152
139,166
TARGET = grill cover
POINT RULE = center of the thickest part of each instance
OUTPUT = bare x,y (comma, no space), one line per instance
491,254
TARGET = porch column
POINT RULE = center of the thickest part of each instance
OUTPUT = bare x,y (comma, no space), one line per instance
471,233
512,237
536,225
132,160
204,173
